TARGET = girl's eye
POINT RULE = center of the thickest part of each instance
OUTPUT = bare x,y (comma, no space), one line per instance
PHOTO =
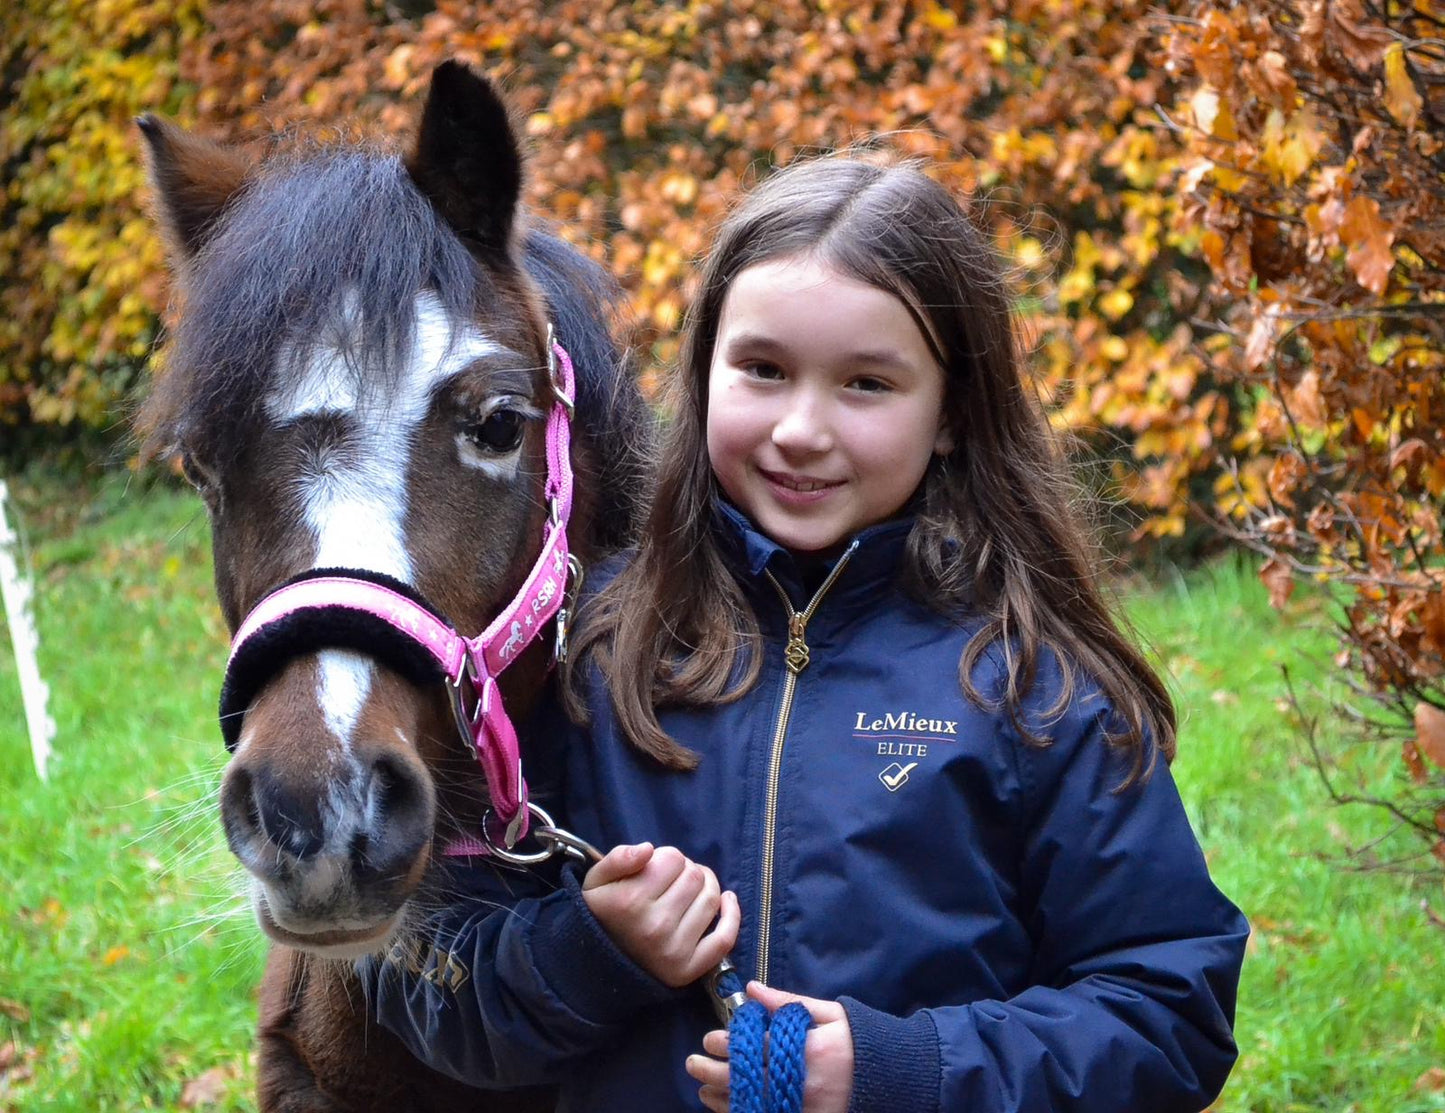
499,432
869,385
768,371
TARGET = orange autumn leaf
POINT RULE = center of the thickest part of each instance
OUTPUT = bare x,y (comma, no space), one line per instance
1359,38
1261,338
1368,240
1430,732
1278,581
1432,1081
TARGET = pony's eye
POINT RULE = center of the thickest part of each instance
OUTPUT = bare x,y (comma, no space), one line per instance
195,475
499,432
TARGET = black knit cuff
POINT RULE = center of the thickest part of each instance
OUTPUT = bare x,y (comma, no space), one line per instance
896,1063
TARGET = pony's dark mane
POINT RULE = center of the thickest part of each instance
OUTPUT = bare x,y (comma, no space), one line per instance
325,237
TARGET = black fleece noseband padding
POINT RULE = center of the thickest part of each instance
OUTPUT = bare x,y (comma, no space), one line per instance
311,629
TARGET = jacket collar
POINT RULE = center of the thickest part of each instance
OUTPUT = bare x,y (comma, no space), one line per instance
877,559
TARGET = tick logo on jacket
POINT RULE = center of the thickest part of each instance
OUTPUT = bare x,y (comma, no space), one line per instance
903,733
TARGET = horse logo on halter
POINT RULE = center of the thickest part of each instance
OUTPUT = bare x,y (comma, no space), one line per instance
512,643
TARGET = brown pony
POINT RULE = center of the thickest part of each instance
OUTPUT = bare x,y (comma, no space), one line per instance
358,379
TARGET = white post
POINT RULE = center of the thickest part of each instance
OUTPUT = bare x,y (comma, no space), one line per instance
15,592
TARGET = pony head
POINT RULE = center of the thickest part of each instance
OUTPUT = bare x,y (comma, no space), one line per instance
358,380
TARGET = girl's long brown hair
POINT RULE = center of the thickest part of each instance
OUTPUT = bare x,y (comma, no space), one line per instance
997,534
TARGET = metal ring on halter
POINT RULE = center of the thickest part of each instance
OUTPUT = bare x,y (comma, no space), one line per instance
552,376
575,575
557,840
466,720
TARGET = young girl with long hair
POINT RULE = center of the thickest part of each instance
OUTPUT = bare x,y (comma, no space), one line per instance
856,711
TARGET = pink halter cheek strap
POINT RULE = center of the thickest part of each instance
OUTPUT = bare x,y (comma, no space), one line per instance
471,665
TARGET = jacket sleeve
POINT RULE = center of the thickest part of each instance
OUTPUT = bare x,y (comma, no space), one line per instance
504,991
513,978
1136,960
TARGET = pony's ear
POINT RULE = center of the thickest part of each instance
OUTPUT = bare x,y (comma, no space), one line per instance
467,160
193,180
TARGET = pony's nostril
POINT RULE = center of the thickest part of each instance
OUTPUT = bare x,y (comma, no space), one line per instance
289,821
394,790
239,814
360,844
399,817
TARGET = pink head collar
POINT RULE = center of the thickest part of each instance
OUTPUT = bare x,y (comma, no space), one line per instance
332,608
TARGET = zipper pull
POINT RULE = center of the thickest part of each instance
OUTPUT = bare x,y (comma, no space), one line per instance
797,653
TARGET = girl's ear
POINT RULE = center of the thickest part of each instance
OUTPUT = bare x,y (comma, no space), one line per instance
944,443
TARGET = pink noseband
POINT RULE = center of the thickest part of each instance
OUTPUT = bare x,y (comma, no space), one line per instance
470,666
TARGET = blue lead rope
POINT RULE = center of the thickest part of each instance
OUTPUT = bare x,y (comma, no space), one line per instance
765,1058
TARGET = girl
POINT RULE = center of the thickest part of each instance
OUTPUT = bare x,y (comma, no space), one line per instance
860,672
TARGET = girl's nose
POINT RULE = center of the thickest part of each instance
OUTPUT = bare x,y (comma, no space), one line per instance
803,427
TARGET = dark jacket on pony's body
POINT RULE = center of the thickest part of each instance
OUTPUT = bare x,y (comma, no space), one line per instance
1006,931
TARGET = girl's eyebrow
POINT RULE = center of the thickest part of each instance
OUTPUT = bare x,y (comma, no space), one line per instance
752,343
756,342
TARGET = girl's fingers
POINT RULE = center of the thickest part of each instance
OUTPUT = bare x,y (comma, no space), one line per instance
774,999
714,1078
691,880
724,935
619,862
702,910
710,1072
715,1043
667,865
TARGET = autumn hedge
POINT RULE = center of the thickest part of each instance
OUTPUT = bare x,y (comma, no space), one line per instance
1314,170
83,274
1225,219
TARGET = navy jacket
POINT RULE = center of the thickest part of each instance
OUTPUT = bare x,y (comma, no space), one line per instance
1006,930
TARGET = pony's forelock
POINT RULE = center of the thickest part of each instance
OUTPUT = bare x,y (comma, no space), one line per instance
323,247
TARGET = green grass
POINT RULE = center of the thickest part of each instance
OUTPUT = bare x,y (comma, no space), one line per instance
1342,1002
128,961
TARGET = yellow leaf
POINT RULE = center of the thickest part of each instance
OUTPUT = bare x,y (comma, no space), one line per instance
1116,303
940,19
398,65
1401,96
1290,149
1114,348
1227,178
115,954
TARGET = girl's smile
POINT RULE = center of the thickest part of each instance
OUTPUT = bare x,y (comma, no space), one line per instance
824,402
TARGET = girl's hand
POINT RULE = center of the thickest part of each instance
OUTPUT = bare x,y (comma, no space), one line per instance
658,907
828,1054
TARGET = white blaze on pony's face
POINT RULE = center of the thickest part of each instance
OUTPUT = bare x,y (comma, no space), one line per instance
355,503
357,509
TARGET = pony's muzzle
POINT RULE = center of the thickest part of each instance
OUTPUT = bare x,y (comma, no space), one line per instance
329,851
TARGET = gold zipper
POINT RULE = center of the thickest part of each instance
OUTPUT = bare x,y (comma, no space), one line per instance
796,656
